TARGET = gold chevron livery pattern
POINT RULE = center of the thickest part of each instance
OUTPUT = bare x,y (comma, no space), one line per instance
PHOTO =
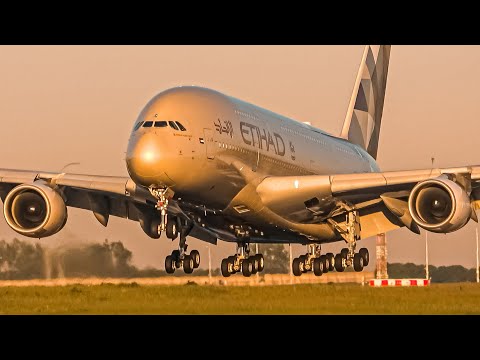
364,115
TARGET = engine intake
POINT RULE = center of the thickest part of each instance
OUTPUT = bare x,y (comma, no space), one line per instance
439,205
35,210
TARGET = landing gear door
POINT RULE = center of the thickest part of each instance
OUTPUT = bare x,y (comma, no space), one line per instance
209,143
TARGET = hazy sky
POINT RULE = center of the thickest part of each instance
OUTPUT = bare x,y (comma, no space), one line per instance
62,104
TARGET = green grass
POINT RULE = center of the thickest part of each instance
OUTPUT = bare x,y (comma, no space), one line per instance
460,298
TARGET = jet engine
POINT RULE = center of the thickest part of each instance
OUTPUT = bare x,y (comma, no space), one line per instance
35,210
439,205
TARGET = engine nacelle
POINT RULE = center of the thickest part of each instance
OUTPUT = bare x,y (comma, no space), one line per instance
35,210
439,205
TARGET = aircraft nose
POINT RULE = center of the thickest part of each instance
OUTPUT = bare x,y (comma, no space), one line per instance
144,157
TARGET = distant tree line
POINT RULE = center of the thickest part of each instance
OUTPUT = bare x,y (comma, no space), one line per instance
27,260
441,274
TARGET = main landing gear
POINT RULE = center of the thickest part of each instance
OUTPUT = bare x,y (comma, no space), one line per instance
174,227
242,261
313,261
320,264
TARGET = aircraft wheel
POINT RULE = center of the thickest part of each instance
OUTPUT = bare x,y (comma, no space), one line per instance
331,261
358,262
224,268
195,255
303,259
171,229
297,267
188,264
231,260
169,265
325,262
261,262
344,253
318,267
365,255
247,267
339,263
176,258
255,265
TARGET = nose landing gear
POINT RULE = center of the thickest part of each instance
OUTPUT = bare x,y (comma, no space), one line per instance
173,227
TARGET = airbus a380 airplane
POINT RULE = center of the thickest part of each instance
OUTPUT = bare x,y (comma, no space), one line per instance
207,165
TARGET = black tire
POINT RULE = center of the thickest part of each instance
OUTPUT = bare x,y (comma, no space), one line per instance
339,263
231,260
365,255
176,258
171,229
358,262
195,255
224,268
318,267
324,260
247,267
254,261
261,262
169,265
344,253
303,259
297,267
188,264
331,260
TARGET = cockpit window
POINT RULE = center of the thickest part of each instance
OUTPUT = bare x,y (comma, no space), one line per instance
160,123
148,124
173,125
180,126
138,126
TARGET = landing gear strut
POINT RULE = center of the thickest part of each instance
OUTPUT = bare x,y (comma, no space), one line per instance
242,261
347,256
173,227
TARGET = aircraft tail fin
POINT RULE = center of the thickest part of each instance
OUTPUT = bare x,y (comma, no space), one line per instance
364,115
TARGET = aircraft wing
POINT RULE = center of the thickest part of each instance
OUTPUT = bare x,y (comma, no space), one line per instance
381,198
104,195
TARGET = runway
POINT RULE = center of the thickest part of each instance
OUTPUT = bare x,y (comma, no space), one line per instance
235,280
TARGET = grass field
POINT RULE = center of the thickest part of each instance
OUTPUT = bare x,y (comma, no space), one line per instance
284,299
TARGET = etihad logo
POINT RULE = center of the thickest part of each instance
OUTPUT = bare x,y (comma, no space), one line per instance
262,139
227,128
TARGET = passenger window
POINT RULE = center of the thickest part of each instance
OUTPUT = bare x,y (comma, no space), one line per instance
180,126
148,124
173,125
160,123
138,126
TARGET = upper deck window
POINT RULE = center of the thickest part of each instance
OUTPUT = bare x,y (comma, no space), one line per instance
173,125
138,126
180,126
148,124
160,124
